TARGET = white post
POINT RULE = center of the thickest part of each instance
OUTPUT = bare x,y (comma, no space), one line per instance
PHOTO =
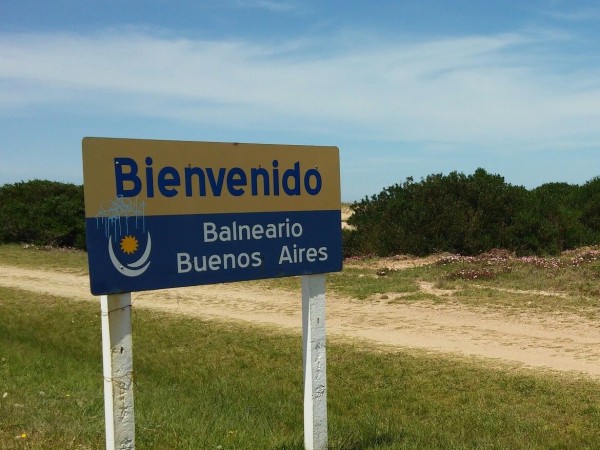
314,362
117,356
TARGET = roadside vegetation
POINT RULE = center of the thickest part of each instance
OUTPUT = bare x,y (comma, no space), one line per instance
456,213
472,214
211,385
567,283
42,212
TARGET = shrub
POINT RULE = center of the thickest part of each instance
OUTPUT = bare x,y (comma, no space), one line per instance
473,214
43,213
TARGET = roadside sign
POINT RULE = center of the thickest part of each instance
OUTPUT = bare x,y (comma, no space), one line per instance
162,214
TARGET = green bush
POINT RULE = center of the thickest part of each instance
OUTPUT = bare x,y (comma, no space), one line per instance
589,203
42,212
466,214
471,214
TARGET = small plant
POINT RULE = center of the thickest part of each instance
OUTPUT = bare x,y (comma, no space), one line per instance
476,274
588,257
542,263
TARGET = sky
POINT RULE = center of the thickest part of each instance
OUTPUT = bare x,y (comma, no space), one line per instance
403,88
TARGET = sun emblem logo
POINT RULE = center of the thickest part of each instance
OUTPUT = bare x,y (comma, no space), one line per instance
129,244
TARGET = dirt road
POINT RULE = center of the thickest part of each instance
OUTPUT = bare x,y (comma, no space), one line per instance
556,342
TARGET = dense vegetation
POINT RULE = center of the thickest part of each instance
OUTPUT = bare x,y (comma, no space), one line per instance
42,212
470,214
466,214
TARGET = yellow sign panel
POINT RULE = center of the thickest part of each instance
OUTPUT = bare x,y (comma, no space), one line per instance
176,178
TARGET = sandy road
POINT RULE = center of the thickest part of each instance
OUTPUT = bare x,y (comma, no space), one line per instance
550,341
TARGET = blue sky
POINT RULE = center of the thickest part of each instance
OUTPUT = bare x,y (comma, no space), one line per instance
403,88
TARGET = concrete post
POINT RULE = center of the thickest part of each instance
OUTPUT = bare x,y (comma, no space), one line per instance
117,356
314,362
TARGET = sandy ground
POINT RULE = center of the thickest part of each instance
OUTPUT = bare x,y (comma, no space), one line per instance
556,342
346,213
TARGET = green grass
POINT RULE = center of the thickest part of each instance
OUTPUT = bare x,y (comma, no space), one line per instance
516,284
521,285
74,261
208,385
355,282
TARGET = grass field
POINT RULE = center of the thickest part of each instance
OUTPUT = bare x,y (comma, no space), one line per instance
210,385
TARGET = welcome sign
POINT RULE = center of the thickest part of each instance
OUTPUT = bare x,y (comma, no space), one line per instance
163,214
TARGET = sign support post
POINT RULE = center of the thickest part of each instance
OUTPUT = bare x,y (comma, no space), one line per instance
117,356
314,362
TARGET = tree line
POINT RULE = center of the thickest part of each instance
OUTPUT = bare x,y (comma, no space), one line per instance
471,214
458,213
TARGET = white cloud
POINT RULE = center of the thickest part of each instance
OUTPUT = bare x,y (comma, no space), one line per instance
474,90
